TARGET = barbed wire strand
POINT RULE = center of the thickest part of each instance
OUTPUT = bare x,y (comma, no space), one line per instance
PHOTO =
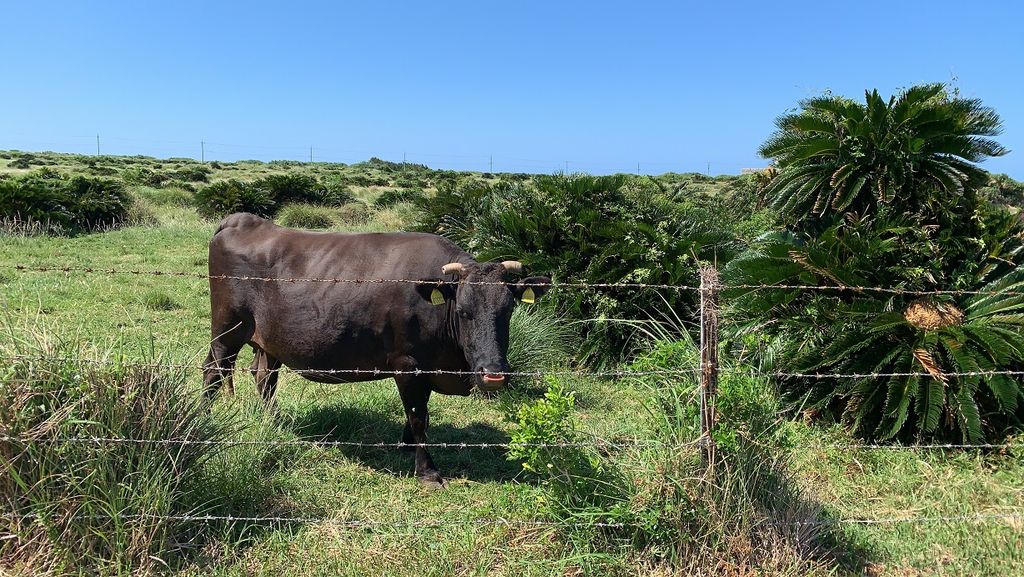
502,522
783,374
596,442
889,290
383,373
624,285
199,275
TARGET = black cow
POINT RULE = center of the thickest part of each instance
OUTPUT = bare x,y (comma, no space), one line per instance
458,322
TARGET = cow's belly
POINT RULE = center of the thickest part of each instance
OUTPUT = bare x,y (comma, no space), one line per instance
339,347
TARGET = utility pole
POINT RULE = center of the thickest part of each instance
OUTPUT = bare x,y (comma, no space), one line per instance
709,169
202,151
311,154
97,145
638,169
490,163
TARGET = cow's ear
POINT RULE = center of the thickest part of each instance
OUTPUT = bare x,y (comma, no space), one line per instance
531,288
435,291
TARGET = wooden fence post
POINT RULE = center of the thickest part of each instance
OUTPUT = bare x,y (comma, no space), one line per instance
709,287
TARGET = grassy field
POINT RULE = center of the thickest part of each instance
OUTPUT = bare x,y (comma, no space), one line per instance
166,318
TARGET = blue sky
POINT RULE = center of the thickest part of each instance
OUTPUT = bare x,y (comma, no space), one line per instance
682,86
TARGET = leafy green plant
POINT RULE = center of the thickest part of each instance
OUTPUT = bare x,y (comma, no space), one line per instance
582,484
618,229
923,338
915,150
885,194
395,196
228,196
75,204
141,175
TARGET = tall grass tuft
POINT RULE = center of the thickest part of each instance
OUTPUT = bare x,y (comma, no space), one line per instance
540,340
74,503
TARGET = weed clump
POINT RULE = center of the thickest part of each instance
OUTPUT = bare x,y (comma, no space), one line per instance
301,215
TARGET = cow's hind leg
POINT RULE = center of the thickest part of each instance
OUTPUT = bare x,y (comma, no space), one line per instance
415,393
220,362
265,370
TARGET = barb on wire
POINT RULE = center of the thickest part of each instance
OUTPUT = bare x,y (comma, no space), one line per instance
596,442
382,373
199,275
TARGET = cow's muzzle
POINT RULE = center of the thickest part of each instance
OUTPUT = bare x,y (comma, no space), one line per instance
493,381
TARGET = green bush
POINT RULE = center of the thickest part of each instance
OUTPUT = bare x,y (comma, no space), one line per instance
285,188
170,196
73,204
143,176
98,203
193,173
301,215
228,196
617,229
395,196
353,214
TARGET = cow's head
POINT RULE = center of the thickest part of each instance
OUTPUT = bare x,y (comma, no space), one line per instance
483,298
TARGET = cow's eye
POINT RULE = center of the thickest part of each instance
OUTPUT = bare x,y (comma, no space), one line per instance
464,313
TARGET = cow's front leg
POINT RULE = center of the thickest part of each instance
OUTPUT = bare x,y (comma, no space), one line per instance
415,393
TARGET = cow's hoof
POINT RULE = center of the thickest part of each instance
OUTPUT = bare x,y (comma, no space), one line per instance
432,479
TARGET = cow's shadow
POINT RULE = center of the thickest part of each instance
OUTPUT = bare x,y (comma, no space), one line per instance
363,427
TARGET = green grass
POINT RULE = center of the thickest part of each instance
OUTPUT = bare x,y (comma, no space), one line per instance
132,314
889,483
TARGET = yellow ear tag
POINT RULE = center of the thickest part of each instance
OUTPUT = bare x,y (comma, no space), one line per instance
528,296
436,297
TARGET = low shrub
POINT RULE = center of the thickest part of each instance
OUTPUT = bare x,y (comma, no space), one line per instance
618,229
193,173
660,501
143,176
76,204
141,213
301,215
228,196
98,203
390,198
169,196
353,214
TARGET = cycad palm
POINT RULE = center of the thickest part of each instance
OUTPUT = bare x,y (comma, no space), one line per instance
837,155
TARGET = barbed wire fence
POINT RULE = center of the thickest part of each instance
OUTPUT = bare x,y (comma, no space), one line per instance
705,377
